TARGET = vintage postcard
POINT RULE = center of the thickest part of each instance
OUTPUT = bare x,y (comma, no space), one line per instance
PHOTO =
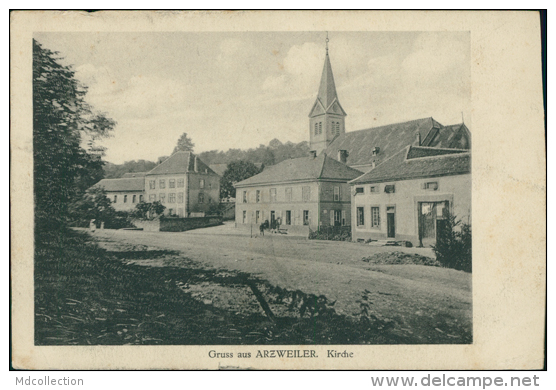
277,190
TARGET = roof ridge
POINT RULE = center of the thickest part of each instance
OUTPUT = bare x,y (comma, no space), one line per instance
391,124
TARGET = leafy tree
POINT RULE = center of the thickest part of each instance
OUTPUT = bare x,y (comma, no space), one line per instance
118,170
453,244
235,172
91,205
185,144
62,121
145,210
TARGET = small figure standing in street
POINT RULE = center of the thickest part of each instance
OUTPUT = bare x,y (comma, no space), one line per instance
261,228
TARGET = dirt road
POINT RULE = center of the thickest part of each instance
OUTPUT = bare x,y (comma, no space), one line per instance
424,301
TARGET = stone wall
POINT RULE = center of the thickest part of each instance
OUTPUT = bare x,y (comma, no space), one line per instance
177,224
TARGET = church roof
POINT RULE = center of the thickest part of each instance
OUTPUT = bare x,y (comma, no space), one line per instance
388,139
180,162
123,184
303,169
453,136
327,95
414,162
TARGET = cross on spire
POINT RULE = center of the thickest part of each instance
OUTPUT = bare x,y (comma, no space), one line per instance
327,42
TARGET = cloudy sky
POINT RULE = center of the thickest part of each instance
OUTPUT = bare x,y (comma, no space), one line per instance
239,90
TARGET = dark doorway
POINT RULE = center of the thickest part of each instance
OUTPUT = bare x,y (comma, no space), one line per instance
391,221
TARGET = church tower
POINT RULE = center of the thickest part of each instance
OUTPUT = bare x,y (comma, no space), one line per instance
327,117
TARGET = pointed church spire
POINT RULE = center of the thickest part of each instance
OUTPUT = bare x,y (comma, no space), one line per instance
327,88
327,117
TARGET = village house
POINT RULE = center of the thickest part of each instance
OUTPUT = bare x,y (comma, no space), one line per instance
184,184
124,193
301,194
409,196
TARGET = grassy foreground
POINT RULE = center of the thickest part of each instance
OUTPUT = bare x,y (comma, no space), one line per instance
85,295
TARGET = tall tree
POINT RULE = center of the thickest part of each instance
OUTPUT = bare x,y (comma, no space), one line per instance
62,122
236,172
185,144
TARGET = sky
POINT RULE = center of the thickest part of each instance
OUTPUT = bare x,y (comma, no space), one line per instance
242,89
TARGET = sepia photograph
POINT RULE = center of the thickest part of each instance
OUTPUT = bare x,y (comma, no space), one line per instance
277,189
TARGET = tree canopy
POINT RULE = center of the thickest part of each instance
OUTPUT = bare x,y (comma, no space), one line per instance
236,172
185,144
66,158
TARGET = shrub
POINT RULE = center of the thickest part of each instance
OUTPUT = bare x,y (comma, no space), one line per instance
453,245
332,233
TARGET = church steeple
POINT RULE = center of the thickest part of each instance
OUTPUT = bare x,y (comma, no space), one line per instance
327,115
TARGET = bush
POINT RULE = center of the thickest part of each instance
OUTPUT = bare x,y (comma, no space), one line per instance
453,245
332,233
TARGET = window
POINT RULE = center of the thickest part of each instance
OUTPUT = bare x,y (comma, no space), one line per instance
374,190
359,190
337,128
152,184
431,186
320,127
288,217
140,198
360,216
152,198
344,221
162,183
180,183
134,199
202,183
375,217
306,190
288,194
390,188
316,129
172,198
180,197
162,198
257,216
172,183
336,194
305,217
115,198
337,217
244,216
258,198
201,198
273,194
125,198
171,211
244,196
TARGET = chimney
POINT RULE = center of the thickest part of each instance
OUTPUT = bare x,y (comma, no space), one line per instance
418,140
195,165
342,155
313,153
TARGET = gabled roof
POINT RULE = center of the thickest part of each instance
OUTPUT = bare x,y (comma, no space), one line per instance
178,163
389,139
414,162
327,98
303,169
123,184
